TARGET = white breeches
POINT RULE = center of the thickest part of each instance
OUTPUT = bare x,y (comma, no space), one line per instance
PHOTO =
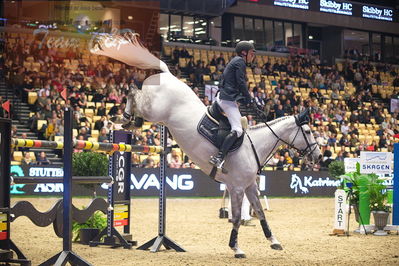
233,114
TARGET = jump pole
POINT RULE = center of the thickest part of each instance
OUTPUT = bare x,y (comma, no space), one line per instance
7,247
67,255
155,243
395,208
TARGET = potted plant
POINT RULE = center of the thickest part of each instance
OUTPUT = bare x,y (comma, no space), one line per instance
378,204
355,183
336,169
87,231
89,164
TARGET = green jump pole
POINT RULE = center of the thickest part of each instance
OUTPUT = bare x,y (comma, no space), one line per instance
364,202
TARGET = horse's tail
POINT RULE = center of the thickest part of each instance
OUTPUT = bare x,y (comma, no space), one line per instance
128,49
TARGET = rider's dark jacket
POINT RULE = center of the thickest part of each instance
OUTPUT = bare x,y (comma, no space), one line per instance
233,86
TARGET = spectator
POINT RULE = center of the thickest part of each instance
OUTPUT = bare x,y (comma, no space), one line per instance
344,141
176,55
383,143
27,160
136,160
174,160
281,163
99,96
149,162
373,146
274,160
102,110
103,135
42,159
296,159
344,128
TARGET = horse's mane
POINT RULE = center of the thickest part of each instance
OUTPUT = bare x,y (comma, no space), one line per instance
270,123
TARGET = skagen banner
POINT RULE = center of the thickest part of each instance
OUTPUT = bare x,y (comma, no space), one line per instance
186,183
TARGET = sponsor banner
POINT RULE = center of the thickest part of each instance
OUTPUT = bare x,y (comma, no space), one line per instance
191,183
121,223
336,7
302,183
3,226
379,13
376,162
350,164
339,7
299,4
121,167
121,215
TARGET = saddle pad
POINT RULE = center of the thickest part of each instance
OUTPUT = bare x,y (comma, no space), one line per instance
209,130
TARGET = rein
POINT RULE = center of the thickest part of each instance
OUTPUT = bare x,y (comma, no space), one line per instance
303,153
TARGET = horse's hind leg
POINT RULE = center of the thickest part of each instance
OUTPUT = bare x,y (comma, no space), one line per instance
252,195
236,202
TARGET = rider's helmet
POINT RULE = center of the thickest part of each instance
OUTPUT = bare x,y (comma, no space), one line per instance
244,46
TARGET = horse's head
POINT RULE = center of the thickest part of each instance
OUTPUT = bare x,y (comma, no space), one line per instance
303,140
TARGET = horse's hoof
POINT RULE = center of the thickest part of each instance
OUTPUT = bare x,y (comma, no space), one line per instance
240,256
276,246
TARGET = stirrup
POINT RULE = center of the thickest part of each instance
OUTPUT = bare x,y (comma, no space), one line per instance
217,162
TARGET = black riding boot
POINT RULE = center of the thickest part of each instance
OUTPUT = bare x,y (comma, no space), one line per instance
218,160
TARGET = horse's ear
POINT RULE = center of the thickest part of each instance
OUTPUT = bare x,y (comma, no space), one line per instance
303,117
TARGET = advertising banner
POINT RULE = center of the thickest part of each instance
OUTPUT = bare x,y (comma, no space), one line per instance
186,183
376,162
336,7
379,13
350,164
300,4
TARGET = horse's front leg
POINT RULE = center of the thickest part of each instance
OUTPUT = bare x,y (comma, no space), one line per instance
128,120
252,195
236,202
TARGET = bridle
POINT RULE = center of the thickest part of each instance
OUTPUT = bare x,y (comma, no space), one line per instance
310,147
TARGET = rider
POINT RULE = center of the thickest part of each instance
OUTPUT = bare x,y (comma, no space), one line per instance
233,89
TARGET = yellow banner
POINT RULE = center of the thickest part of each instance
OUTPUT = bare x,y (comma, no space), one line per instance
120,216
3,226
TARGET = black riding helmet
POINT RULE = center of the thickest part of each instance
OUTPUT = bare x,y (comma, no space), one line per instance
244,46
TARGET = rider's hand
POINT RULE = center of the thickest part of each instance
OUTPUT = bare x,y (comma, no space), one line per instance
246,101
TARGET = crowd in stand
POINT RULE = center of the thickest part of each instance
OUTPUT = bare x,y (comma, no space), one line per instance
97,79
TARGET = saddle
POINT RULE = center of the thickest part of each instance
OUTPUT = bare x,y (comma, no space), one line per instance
214,126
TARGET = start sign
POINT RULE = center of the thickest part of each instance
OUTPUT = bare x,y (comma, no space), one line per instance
376,162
